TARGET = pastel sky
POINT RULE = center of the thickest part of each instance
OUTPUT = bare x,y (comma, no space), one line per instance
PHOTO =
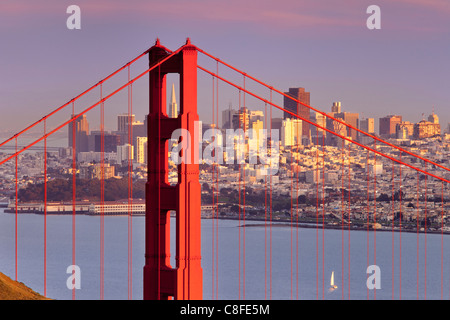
323,46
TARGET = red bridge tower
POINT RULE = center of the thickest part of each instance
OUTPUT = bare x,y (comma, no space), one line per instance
161,281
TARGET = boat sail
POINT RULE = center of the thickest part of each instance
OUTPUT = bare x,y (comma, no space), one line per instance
332,285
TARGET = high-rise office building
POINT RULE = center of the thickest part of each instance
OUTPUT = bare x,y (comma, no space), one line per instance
241,119
141,150
297,108
388,125
290,132
404,130
123,120
367,125
433,118
110,141
317,132
227,118
336,107
351,119
81,133
337,128
124,153
426,129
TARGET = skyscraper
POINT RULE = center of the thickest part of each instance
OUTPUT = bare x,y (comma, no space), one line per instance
290,132
367,125
227,117
81,133
173,104
336,107
123,120
141,150
317,132
388,125
351,119
124,153
110,141
433,118
241,119
297,108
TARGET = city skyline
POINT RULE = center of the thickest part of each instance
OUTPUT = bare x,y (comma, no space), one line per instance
367,70
326,178
290,130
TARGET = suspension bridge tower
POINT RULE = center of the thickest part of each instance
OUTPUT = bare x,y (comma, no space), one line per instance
161,280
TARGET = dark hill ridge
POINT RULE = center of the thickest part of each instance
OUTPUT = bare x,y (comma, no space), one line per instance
13,290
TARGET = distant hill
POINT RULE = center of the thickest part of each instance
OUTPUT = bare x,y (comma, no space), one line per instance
13,290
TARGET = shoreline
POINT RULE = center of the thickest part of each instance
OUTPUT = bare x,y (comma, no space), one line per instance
273,223
345,228
313,225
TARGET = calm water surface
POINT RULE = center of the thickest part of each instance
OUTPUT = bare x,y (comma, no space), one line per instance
300,266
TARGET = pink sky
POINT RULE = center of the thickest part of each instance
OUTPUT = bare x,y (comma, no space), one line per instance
323,46
278,14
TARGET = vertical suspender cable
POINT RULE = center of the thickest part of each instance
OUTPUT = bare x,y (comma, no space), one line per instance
349,218
400,231
271,189
102,195
425,236
316,180
375,212
296,195
45,209
159,180
17,194
74,176
217,188
130,188
368,215
292,211
213,197
245,129
342,217
323,213
265,213
239,193
392,230
417,240
442,241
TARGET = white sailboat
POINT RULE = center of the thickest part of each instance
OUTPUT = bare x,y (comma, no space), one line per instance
332,285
